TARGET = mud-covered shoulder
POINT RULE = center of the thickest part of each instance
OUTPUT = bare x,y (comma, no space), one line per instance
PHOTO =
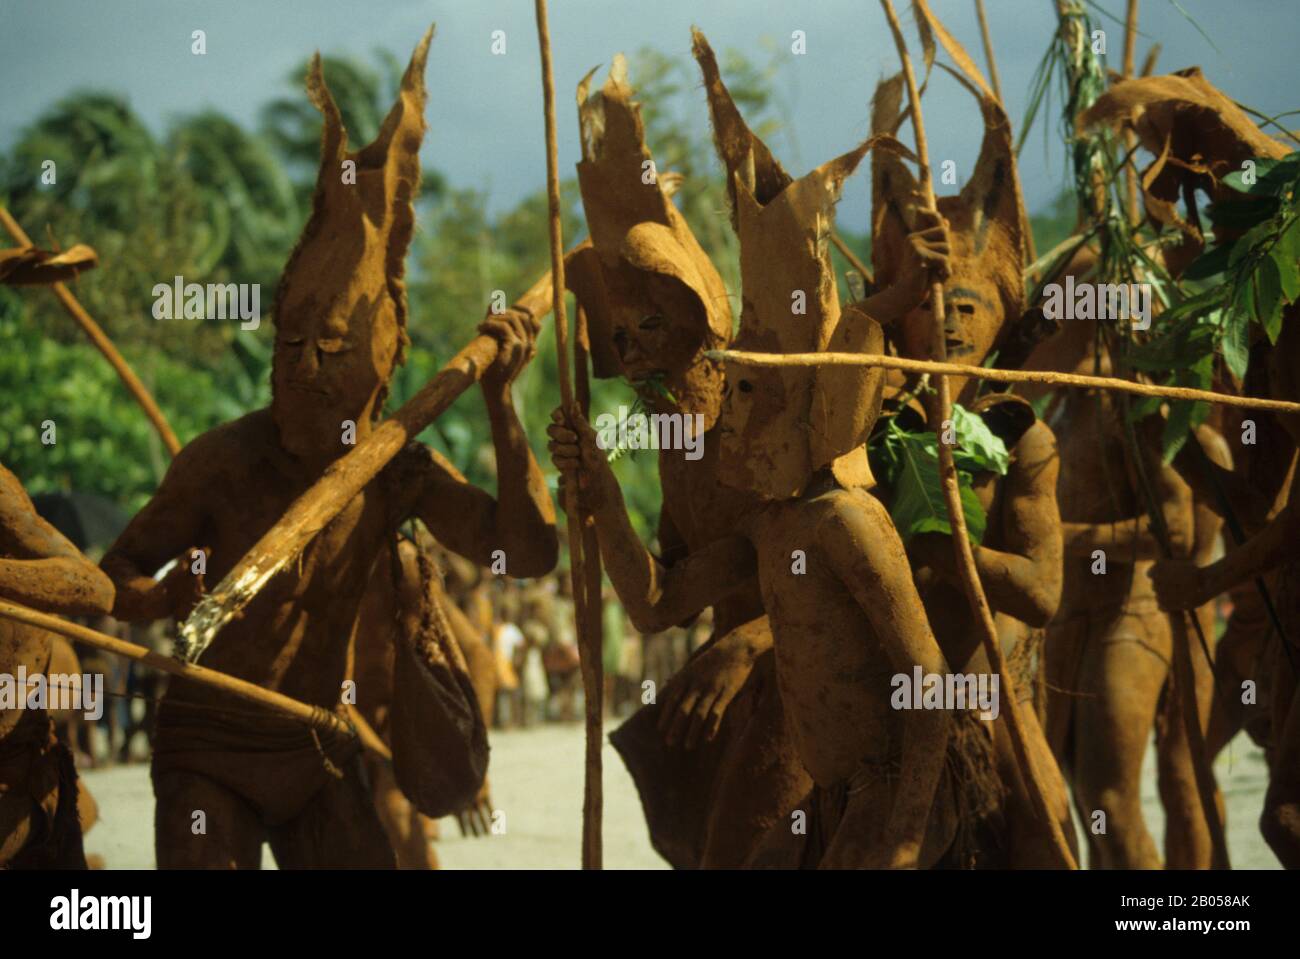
853,519
1037,447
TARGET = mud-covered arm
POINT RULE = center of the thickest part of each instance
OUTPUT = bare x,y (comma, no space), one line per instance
869,559
1213,481
1022,580
521,518
38,566
655,596
1181,584
925,262
171,523
469,521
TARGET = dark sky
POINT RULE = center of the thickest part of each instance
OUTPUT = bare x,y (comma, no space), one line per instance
485,111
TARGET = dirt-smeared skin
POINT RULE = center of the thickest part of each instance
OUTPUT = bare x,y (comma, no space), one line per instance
1019,560
1270,549
1109,649
655,303
41,569
847,623
340,325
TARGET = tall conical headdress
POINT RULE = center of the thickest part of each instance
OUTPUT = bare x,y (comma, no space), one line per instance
790,305
352,252
633,222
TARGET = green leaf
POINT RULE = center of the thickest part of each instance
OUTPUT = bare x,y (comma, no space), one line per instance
1286,257
1268,302
1209,264
1184,415
1272,177
1242,214
977,447
1236,343
911,462
1206,300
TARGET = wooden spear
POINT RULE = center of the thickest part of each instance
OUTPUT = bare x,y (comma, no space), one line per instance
1049,377
1130,138
314,716
952,495
342,480
103,344
590,658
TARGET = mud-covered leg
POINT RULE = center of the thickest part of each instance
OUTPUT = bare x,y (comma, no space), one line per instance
227,835
1121,682
338,829
1280,822
1187,835
760,782
406,833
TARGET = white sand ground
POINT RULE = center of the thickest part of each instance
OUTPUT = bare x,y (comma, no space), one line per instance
536,777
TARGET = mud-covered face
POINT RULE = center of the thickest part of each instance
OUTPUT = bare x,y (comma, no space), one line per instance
762,447
329,366
973,318
658,325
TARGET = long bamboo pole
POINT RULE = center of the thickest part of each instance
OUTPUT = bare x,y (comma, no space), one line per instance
952,495
1049,377
313,716
102,343
590,658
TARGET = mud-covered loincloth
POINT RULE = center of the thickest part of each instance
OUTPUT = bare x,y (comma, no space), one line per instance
969,784
680,788
38,791
276,764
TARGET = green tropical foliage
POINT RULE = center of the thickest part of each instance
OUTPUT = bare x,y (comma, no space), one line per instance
908,461
215,201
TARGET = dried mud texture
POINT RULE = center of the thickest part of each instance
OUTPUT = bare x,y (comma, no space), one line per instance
706,804
340,318
984,293
644,260
439,716
1019,559
1109,649
780,433
786,424
38,781
1196,133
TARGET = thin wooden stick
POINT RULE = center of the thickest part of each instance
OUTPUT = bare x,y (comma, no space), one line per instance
590,658
952,494
852,258
1049,377
988,51
314,716
103,344
1130,138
